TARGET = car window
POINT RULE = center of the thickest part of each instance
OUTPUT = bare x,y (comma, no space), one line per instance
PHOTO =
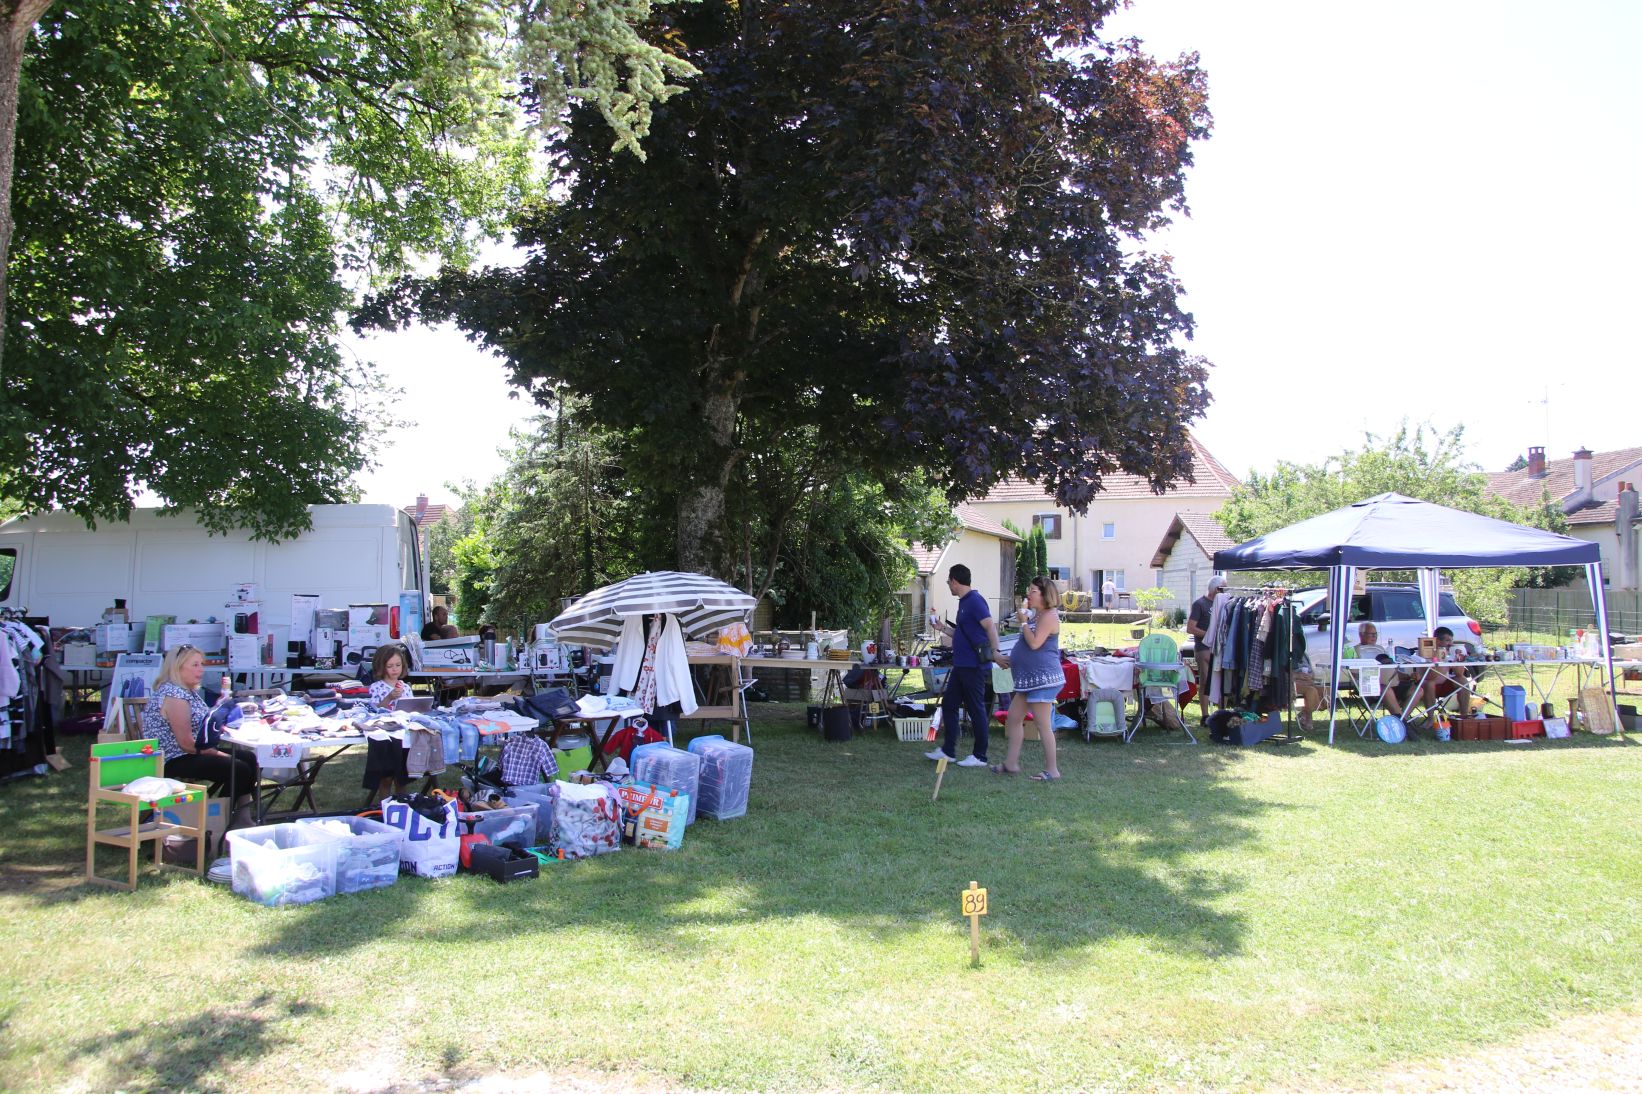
1400,604
1447,605
1359,609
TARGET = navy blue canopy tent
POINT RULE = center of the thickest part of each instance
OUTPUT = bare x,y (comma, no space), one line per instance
1393,532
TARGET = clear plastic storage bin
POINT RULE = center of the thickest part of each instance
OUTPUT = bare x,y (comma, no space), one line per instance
368,857
726,777
515,824
283,864
671,767
544,796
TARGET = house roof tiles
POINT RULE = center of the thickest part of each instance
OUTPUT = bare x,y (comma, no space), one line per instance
1204,528
1210,479
1518,488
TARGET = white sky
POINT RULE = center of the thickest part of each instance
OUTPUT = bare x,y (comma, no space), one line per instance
1421,210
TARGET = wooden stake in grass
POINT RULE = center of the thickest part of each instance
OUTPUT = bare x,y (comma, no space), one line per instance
973,903
940,773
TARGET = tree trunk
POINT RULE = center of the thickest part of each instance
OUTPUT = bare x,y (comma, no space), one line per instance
701,545
20,17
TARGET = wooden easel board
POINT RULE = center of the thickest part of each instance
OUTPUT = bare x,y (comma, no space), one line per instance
1598,710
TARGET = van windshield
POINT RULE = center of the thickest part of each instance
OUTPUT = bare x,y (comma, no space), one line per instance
8,567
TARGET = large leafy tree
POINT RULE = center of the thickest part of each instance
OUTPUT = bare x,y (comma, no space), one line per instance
1416,461
907,236
201,188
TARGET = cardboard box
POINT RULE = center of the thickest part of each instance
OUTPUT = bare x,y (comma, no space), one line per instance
367,615
153,629
205,637
114,637
247,592
217,813
250,652
368,635
79,655
437,658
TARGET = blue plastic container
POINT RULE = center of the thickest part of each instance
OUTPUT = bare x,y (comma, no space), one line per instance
671,767
1514,699
726,777
640,750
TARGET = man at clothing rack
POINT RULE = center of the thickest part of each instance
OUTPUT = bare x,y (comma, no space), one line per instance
1197,625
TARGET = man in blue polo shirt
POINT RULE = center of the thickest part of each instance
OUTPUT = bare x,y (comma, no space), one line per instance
974,647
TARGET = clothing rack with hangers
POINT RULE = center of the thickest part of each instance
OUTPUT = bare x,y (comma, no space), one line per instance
27,721
1259,675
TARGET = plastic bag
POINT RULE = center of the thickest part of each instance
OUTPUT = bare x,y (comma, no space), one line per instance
587,821
427,847
735,640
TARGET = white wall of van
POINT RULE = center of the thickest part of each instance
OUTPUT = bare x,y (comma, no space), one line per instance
167,564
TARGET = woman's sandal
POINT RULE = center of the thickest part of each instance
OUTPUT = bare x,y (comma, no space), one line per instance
1045,777
1000,769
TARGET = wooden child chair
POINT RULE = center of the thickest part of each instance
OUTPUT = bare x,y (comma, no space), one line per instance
113,766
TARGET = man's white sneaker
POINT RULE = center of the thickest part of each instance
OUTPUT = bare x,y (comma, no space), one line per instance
939,754
971,761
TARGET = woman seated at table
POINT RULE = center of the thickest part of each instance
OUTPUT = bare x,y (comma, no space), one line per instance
388,669
175,717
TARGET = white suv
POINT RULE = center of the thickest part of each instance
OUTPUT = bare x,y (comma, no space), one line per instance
1395,611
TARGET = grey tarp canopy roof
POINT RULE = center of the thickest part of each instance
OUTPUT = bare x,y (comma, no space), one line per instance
1394,532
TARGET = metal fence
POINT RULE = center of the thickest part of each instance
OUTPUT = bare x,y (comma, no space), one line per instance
1557,611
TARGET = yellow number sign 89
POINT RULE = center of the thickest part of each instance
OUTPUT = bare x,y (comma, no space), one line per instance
974,901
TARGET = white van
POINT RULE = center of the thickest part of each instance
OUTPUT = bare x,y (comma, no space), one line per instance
163,564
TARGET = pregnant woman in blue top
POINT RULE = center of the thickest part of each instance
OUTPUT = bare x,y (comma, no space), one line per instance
1035,665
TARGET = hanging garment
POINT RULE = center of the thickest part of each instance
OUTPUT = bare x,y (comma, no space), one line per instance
629,654
526,761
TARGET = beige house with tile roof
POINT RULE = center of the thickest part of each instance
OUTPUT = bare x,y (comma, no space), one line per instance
1119,535
982,544
1588,488
1185,557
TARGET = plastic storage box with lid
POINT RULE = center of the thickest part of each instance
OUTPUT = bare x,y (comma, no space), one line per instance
545,797
514,824
726,777
574,753
283,864
368,855
671,767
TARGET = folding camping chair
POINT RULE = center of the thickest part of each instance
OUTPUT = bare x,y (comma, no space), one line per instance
1160,671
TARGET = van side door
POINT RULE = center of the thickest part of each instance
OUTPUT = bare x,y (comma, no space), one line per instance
14,571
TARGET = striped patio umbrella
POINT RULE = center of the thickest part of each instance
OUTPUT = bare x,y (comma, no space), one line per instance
701,603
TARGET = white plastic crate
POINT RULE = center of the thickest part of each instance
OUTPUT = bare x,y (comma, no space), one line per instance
913,729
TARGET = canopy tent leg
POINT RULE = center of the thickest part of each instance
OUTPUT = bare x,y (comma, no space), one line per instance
1599,600
1430,583
1340,580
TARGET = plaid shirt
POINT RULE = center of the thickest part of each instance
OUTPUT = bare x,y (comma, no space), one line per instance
525,757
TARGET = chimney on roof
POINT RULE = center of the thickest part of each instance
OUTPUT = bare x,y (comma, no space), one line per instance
1536,462
1625,525
421,506
1582,476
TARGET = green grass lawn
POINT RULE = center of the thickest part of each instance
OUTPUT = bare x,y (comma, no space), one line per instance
1167,916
